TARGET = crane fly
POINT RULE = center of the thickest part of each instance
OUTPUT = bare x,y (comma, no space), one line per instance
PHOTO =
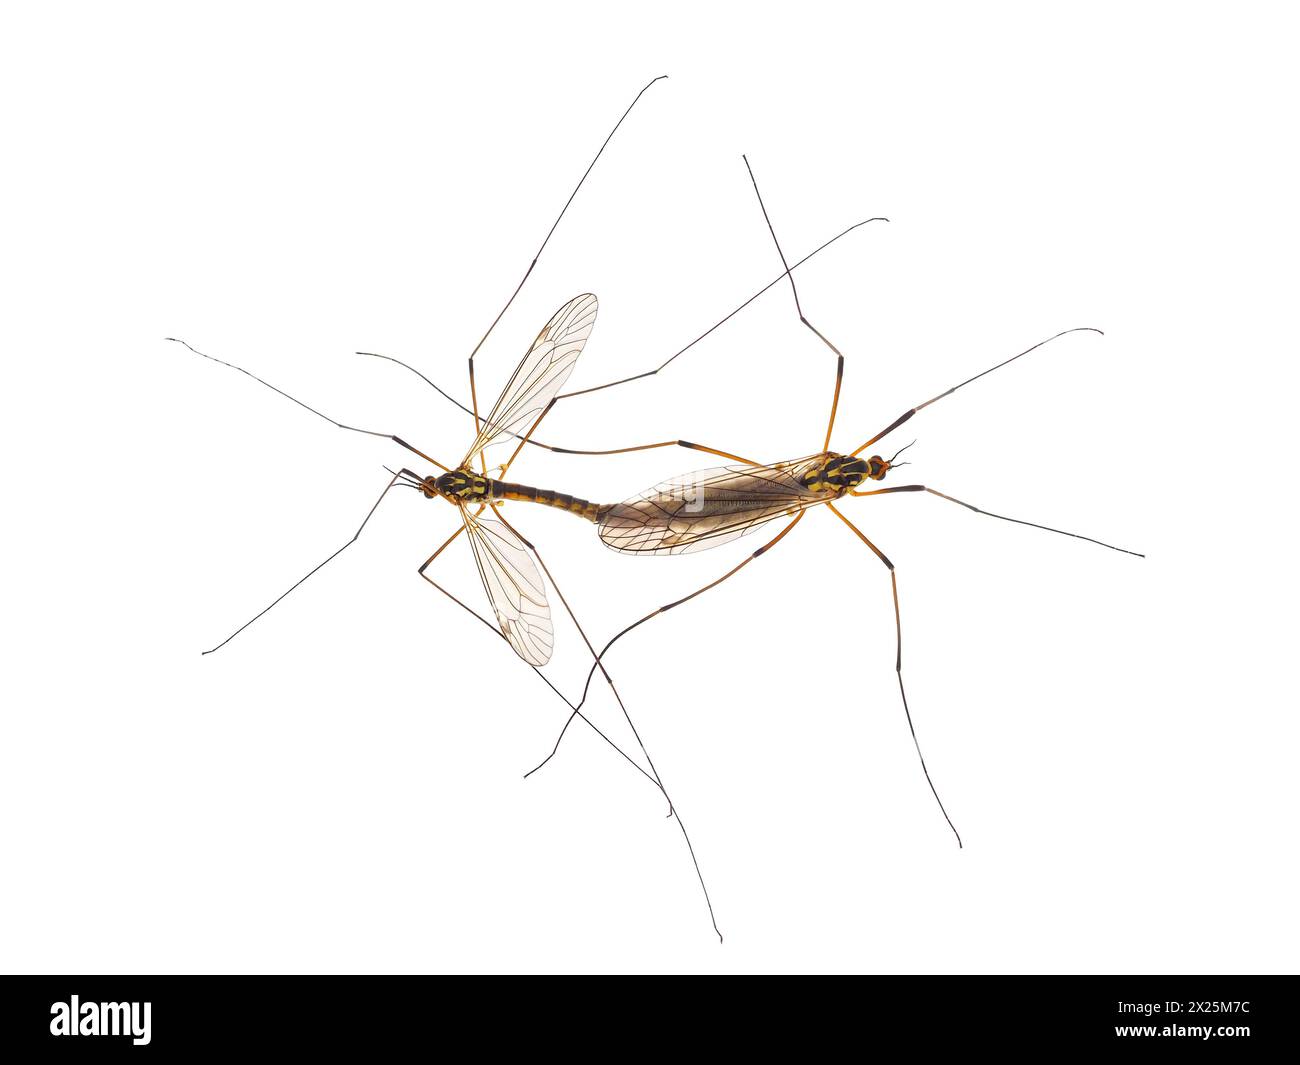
504,559
705,509
512,571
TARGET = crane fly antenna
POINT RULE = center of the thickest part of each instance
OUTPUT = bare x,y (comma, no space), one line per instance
899,452
408,479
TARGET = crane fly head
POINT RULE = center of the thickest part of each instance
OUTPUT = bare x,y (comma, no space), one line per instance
878,467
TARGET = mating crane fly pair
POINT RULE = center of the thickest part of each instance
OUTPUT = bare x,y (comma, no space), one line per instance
708,508
688,513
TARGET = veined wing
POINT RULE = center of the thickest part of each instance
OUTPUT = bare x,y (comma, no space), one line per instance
700,510
539,377
514,588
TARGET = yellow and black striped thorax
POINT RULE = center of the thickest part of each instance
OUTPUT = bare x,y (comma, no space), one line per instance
463,486
835,473
467,487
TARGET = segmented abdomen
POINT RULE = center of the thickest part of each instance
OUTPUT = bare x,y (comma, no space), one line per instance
560,500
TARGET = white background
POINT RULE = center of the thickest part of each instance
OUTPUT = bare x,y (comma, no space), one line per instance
340,788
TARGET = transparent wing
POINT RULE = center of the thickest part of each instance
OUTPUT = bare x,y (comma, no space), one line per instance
700,510
539,377
514,588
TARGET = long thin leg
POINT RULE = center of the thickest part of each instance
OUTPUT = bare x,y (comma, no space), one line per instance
350,428
648,447
672,808
335,555
839,364
575,710
663,365
641,376
554,225
581,632
898,664
527,438
523,440
473,398
902,691
990,514
443,547
663,609
921,406
483,339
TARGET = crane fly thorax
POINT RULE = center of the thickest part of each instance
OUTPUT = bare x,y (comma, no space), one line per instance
835,474
458,486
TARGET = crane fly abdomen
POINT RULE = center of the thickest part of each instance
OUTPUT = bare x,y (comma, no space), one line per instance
464,487
583,508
